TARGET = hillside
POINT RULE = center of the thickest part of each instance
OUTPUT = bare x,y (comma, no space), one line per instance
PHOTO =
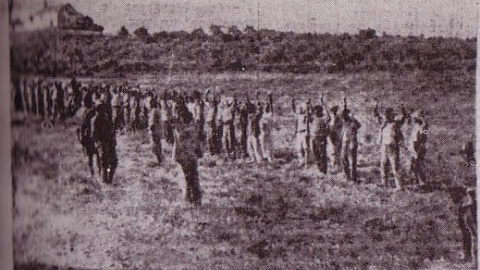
49,52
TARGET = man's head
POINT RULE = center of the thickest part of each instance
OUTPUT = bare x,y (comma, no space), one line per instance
390,115
417,116
346,114
318,110
183,114
302,109
98,98
88,99
334,110
152,101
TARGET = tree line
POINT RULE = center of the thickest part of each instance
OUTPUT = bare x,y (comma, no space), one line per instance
56,52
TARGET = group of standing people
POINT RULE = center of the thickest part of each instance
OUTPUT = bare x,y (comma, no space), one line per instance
237,128
315,125
51,99
193,124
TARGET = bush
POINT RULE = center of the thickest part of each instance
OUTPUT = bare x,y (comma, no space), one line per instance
142,34
123,32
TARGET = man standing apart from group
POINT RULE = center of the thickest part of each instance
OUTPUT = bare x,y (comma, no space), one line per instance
155,128
187,149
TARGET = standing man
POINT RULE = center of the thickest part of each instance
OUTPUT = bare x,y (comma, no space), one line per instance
126,108
85,132
253,147
468,152
335,135
155,129
242,128
199,116
302,132
166,111
58,101
77,94
266,126
104,137
135,109
319,136
464,199
117,108
418,146
349,143
187,151
390,138
212,109
228,117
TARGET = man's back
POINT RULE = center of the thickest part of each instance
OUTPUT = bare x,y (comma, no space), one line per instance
102,128
186,142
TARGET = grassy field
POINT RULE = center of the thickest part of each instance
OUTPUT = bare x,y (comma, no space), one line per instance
267,216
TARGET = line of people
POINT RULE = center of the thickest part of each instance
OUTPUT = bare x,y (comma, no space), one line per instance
237,128
315,125
53,99
193,124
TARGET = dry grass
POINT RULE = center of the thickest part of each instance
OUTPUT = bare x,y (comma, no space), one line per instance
268,216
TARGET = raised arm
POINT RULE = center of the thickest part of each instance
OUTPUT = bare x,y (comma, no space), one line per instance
405,115
325,108
376,113
270,101
206,96
294,108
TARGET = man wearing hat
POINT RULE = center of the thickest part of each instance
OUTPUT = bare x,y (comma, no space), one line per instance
418,146
390,139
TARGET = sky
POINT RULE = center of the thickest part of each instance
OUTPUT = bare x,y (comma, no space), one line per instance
456,18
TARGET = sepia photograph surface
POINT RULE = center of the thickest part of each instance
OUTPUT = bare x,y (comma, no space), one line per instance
243,134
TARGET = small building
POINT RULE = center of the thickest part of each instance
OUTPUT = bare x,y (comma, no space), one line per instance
71,19
65,17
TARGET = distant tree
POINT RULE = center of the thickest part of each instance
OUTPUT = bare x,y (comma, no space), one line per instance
198,34
142,34
161,35
123,32
249,30
181,35
235,32
368,33
216,30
